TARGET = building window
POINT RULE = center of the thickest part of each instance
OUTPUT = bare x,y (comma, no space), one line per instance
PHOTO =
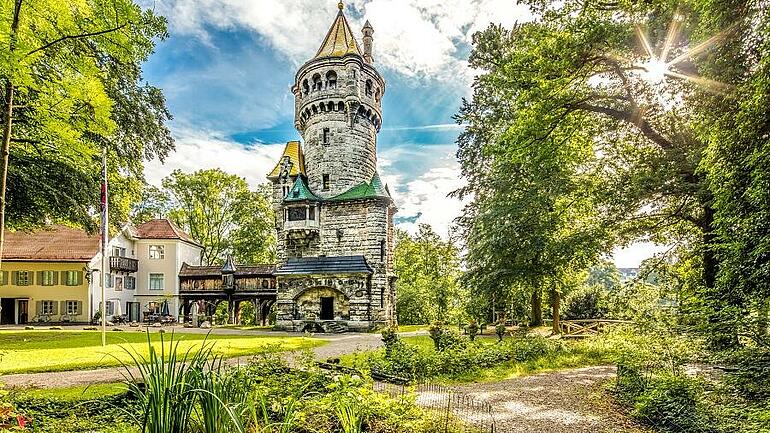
156,281
108,282
326,136
311,213
369,88
129,283
71,278
23,278
382,251
47,278
296,214
118,284
118,252
46,307
317,84
326,182
110,308
331,80
72,308
156,252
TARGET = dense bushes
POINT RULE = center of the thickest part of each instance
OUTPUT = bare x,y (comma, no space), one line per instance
585,303
454,355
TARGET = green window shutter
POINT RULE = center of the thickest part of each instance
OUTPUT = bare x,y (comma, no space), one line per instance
5,278
39,307
80,277
55,308
39,277
31,278
55,278
15,278
80,308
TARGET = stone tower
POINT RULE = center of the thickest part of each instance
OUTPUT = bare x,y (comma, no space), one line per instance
334,216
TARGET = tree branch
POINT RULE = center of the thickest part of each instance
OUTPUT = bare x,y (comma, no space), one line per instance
632,117
72,37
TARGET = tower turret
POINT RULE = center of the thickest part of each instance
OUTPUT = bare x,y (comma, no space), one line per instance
368,32
338,111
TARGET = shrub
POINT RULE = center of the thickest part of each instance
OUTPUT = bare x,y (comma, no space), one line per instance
436,331
752,378
473,330
500,330
672,403
584,303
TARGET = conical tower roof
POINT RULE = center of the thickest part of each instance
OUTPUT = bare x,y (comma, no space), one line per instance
339,41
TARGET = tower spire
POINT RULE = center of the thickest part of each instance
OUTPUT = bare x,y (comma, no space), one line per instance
339,41
340,6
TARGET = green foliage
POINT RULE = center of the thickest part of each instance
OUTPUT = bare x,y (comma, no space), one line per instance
585,303
428,269
751,379
672,404
472,329
500,330
74,73
218,210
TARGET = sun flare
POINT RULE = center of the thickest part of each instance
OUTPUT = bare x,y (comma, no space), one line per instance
655,70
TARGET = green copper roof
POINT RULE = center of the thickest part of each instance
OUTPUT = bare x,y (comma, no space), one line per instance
300,192
372,189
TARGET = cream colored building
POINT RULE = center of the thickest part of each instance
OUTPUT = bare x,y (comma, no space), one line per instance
44,276
54,275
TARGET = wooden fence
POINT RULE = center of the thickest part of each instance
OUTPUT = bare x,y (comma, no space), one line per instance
587,327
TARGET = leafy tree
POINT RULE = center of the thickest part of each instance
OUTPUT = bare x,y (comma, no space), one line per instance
71,79
154,203
626,112
428,269
219,210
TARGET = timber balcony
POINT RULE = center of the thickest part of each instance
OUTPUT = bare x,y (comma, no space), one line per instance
123,264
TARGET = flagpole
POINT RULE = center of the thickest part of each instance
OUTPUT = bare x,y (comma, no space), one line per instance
105,239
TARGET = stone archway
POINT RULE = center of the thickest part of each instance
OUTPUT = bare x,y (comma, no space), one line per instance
322,303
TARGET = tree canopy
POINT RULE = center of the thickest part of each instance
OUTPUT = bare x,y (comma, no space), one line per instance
599,123
72,84
218,210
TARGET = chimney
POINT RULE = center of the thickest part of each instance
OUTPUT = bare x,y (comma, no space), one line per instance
368,31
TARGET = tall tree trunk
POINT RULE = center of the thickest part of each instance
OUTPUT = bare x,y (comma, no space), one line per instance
556,309
536,317
7,123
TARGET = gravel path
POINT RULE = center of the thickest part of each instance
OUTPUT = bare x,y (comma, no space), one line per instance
557,402
339,344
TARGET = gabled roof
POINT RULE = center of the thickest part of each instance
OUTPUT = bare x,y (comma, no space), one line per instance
300,192
55,243
325,265
372,189
292,151
163,228
339,41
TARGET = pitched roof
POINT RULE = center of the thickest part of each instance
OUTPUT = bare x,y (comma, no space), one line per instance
372,189
325,265
54,244
339,41
216,271
163,228
300,192
292,151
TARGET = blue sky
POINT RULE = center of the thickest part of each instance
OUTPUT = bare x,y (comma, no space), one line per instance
228,67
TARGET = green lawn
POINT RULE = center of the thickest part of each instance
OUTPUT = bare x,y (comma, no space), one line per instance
43,350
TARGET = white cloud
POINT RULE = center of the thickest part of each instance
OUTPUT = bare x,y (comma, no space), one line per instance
197,150
412,37
423,196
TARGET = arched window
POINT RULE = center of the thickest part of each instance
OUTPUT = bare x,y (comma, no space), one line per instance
340,106
377,95
330,106
317,85
369,88
331,80
315,109
305,88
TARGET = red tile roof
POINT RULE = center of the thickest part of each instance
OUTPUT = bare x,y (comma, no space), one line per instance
54,244
162,229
